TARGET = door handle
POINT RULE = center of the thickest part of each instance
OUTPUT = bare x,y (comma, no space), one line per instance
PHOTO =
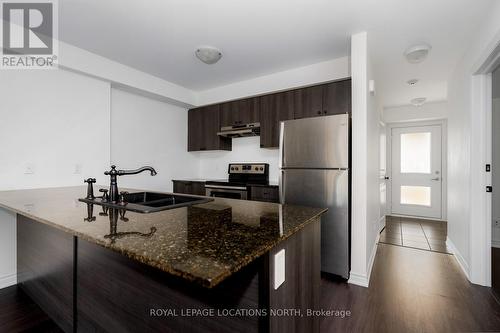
435,179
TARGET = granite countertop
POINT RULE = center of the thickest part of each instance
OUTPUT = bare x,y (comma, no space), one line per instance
204,243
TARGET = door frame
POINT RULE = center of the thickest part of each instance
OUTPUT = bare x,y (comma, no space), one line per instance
480,234
444,159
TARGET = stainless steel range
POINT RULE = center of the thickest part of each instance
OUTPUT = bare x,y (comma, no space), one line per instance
241,176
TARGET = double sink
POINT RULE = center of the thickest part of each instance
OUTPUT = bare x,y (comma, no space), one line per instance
150,202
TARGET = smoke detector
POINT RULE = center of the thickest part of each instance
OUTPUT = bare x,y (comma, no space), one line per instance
417,53
412,82
208,54
419,101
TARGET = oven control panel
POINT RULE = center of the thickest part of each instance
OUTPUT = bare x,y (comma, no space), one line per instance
259,169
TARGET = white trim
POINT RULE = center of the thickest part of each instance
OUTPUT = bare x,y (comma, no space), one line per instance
417,217
358,279
8,280
459,257
364,280
381,225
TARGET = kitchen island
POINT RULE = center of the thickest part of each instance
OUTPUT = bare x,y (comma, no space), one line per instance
203,268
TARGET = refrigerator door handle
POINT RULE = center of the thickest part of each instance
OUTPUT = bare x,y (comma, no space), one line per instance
282,146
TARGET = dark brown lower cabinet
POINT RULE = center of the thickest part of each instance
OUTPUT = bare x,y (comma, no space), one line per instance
495,271
45,267
265,193
189,187
84,287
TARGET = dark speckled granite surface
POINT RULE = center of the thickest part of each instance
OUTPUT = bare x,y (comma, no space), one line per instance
204,243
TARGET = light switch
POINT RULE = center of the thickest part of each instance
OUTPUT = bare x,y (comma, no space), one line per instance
279,269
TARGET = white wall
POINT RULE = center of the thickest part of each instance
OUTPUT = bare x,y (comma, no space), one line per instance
213,165
45,119
365,164
428,111
53,120
150,132
466,177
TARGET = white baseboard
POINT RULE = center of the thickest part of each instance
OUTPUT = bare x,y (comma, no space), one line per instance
418,217
8,280
361,279
458,256
358,279
381,224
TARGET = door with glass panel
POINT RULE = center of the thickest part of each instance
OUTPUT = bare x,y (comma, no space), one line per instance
416,171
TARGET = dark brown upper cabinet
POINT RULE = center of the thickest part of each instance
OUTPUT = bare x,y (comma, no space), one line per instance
316,101
203,125
328,99
273,109
240,112
337,97
309,102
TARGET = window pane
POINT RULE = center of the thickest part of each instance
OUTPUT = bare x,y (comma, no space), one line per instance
416,152
416,195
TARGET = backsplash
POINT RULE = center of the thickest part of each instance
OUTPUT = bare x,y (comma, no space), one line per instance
213,165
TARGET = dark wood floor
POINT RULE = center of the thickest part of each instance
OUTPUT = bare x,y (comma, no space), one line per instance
18,313
410,291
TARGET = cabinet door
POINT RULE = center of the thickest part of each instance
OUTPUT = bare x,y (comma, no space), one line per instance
203,125
264,193
273,109
337,98
189,187
240,112
195,129
309,102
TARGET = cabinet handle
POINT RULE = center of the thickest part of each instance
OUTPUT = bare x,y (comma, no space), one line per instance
319,112
324,112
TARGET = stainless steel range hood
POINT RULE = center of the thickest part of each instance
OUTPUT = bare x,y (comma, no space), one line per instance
237,131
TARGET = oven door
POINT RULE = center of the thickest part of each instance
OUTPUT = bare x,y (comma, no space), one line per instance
229,192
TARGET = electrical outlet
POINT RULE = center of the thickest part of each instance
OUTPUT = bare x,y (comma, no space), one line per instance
29,169
78,169
497,224
279,269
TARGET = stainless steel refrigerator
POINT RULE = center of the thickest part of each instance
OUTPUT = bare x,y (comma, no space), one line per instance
314,163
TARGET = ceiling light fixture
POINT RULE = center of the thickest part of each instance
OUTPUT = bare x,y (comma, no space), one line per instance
208,54
417,53
419,101
412,82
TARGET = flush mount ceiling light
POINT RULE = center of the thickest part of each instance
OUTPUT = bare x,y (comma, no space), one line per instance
208,54
412,82
417,53
418,101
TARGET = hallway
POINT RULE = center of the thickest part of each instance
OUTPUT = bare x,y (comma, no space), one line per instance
415,233
411,291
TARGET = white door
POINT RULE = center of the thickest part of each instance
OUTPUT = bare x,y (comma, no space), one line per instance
416,171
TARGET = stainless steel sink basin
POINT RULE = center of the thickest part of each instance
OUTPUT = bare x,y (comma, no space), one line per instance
150,202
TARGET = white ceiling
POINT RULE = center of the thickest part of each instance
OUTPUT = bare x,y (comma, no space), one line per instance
260,37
